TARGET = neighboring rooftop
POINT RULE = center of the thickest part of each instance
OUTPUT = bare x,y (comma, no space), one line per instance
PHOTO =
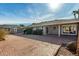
8,26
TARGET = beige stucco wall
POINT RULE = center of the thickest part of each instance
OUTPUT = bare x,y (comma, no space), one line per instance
40,27
52,29
44,30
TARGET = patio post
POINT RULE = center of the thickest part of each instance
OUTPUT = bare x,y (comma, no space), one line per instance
59,30
77,41
44,30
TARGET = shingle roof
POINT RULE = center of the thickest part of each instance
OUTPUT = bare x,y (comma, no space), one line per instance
55,22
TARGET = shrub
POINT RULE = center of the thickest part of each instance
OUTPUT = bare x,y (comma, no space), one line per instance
37,32
28,31
2,34
72,46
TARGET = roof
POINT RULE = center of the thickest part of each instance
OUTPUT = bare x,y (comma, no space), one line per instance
8,26
55,22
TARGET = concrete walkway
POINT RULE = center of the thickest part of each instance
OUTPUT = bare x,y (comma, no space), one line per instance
20,46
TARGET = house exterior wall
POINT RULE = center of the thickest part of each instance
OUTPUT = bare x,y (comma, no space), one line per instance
35,28
53,29
44,30
73,30
10,28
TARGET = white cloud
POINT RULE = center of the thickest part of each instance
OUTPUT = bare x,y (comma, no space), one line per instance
15,21
46,17
68,17
25,20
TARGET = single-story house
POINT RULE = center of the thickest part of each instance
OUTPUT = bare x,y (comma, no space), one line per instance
10,28
58,27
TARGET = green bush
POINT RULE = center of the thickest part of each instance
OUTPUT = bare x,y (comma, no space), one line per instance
28,31
72,46
37,32
3,33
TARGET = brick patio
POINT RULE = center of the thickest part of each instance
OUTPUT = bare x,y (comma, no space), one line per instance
20,46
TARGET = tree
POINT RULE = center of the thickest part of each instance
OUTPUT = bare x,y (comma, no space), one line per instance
21,25
76,13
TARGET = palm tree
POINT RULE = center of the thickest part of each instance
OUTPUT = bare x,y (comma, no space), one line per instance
74,13
78,13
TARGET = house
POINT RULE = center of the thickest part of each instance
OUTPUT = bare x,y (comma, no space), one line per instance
58,27
10,28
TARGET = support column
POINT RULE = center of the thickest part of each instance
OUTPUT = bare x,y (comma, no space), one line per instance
59,31
77,41
44,30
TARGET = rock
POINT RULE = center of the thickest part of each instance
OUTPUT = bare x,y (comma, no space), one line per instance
72,46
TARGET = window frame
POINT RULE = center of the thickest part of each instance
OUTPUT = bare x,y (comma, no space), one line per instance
69,25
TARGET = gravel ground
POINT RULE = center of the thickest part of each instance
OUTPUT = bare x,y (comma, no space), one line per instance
62,51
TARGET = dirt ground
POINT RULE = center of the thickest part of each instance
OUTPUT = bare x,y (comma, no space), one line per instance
20,46
64,52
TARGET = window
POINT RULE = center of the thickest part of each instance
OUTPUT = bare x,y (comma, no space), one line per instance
69,29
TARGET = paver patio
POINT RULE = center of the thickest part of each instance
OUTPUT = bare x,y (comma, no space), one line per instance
20,46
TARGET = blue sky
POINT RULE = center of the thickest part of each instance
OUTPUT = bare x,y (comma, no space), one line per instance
16,13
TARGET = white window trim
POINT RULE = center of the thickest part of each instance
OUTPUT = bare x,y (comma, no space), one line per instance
69,34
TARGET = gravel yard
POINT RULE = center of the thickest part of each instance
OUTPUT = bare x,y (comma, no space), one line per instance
20,46
63,51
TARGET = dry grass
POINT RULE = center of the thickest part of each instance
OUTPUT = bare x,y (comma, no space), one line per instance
3,33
